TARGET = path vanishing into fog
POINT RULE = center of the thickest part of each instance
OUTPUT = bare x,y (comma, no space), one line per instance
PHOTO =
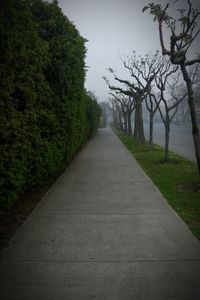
103,231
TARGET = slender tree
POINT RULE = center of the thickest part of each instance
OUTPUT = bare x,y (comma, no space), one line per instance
162,80
152,107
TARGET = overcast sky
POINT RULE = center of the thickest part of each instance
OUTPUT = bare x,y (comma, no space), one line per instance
113,28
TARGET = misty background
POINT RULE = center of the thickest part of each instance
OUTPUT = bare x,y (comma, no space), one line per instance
114,28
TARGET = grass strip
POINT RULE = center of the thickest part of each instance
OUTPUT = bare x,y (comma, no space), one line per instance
177,180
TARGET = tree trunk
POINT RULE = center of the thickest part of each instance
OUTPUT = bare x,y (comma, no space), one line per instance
120,122
125,123
139,129
167,131
129,123
115,120
195,129
151,128
183,114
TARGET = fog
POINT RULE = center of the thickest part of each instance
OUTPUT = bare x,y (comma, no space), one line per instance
113,28
180,140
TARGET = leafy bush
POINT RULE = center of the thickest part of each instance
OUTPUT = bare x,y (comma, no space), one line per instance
45,112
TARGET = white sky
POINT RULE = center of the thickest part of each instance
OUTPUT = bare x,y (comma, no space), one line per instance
113,28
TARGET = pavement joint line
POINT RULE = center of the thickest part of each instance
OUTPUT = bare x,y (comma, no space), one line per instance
101,261
110,190
159,213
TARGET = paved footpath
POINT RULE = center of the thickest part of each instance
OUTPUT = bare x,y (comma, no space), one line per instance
103,231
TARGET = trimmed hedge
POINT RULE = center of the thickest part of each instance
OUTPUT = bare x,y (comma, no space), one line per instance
46,114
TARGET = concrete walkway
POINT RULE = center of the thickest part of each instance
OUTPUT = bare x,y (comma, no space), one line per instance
103,231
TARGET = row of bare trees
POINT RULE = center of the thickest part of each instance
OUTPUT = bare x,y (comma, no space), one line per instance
154,79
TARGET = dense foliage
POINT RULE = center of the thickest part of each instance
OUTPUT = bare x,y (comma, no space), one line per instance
45,112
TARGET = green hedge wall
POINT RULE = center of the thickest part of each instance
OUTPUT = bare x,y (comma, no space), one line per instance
46,114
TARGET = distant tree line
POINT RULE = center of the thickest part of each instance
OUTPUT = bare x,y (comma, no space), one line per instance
46,114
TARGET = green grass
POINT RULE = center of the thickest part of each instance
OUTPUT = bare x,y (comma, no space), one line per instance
177,180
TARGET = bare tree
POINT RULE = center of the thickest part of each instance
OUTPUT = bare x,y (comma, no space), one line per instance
127,106
117,114
163,83
142,71
180,44
194,74
152,107
183,109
